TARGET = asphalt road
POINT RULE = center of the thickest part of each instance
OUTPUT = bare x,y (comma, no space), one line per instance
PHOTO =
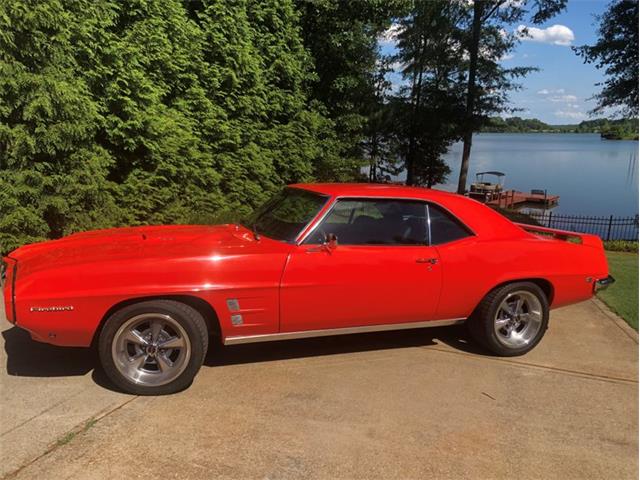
412,404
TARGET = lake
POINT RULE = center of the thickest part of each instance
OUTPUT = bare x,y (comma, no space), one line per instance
592,176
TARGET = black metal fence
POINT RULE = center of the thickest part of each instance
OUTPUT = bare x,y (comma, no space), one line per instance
608,228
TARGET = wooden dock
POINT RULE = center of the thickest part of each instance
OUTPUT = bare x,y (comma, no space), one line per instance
513,198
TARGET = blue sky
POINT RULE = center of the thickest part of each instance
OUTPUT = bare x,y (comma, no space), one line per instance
559,93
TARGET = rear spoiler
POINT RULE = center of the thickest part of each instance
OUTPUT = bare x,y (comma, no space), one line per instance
583,238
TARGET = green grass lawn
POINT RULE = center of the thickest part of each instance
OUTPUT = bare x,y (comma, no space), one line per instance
622,296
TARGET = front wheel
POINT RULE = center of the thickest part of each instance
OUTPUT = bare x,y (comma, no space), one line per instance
154,347
511,319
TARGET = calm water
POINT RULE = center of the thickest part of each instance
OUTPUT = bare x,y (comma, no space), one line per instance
592,176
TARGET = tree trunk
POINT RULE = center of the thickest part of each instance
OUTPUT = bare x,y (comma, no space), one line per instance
373,159
416,94
471,94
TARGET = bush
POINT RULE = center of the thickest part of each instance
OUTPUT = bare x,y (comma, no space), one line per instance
621,246
158,111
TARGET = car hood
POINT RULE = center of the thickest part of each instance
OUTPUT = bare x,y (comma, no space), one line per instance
134,243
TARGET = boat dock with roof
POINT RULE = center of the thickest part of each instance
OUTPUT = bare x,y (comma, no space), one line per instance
494,193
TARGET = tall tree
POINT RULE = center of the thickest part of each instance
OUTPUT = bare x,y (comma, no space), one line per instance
52,171
341,37
376,144
151,111
429,105
616,51
487,81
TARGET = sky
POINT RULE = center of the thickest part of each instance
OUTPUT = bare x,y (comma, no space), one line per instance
559,93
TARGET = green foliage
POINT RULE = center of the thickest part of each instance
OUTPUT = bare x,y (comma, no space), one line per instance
610,129
152,111
622,296
621,246
616,51
515,125
429,108
341,37
195,111
620,130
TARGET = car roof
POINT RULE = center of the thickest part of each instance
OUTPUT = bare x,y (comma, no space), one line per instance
482,220
373,190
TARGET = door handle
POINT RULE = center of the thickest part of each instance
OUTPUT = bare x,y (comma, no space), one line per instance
431,261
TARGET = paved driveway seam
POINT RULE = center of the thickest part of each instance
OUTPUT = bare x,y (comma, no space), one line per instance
575,373
64,400
55,445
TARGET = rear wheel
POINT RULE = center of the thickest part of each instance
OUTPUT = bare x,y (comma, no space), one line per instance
154,347
511,319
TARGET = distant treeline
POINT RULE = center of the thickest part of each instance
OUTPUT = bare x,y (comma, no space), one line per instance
623,129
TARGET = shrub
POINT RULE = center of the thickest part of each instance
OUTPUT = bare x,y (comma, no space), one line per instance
621,246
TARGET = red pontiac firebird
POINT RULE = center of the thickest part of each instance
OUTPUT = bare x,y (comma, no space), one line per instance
316,260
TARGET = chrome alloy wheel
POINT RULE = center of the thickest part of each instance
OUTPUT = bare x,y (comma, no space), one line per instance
151,349
518,319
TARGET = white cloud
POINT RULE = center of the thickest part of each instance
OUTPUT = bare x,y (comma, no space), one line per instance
507,56
554,35
397,66
546,91
570,114
390,35
564,99
513,3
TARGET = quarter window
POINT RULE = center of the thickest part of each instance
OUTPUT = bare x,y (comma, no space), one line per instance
444,227
374,222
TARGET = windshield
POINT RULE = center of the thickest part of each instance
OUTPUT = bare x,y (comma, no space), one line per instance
285,215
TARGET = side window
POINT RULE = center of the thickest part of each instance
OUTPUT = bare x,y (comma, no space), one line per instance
444,227
374,222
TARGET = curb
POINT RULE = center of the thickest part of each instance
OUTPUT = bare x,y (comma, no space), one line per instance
620,323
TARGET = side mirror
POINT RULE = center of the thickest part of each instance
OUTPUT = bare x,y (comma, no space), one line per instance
331,241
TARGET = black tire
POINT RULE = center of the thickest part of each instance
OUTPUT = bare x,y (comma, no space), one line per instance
482,323
186,321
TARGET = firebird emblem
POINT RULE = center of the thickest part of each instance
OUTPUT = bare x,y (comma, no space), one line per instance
64,308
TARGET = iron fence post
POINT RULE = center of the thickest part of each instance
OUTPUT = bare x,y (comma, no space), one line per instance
549,222
609,230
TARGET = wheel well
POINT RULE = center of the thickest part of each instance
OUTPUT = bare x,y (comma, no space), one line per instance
545,286
203,307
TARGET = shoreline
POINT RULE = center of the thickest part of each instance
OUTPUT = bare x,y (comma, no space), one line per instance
635,139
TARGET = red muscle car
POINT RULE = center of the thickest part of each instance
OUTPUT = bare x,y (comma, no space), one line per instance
316,260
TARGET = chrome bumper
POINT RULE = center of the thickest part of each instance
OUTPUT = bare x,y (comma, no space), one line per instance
603,283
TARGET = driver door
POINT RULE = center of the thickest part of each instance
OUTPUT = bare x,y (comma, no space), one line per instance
382,270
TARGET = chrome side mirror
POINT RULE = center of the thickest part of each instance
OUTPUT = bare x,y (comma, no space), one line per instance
331,241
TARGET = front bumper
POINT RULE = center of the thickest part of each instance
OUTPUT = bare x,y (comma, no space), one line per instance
603,283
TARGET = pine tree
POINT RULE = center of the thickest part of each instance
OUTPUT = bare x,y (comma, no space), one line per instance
153,111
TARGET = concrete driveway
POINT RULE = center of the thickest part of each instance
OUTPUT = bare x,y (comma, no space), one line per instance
411,404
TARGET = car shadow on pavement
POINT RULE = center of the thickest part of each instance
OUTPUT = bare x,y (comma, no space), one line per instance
28,358
455,337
